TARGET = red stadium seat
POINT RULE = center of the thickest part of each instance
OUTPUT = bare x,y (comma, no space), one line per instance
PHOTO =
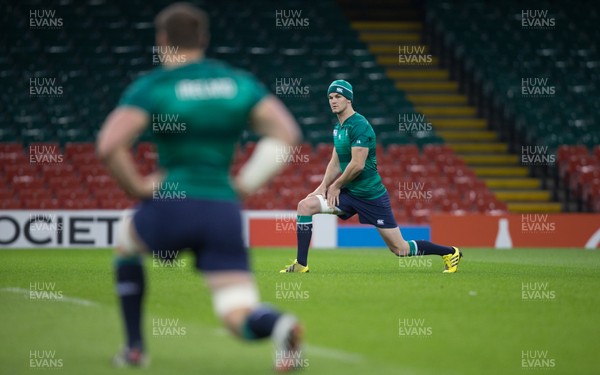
147,167
64,182
565,152
92,170
34,193
84,160
100,180
146,151
42,203
73,194
13,159
10,147
6,194
12,171
596,152
249,148
324,151
77,148
449,205
12,204
116,203
459,212
27,181
397,150
421,216
80,204
62,170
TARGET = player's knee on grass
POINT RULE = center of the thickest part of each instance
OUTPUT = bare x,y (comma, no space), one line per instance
233,303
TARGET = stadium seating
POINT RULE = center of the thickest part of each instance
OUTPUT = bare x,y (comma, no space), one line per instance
94,65
494,57
444,183
579,174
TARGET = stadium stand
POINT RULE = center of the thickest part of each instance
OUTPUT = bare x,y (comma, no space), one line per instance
496,59
464,160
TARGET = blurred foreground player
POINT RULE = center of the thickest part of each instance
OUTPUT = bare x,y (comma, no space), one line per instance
214,102
352,185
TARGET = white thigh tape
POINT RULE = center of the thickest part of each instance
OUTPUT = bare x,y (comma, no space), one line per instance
123,238
325,209
228,299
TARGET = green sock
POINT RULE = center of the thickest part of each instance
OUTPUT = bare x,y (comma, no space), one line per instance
413,249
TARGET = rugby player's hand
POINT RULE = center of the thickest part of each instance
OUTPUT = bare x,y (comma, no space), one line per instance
241,192
333,195
321,190
151,183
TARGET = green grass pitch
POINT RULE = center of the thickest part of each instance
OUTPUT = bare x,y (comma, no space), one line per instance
366,312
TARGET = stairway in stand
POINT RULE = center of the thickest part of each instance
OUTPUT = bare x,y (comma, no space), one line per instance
397,46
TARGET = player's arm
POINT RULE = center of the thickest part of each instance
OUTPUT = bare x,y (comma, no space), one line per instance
272,120
331,173
118,133
354,168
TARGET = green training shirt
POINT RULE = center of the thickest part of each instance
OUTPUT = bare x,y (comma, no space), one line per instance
357,132
198,112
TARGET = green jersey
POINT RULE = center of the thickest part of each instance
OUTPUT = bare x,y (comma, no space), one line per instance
357,132
198,112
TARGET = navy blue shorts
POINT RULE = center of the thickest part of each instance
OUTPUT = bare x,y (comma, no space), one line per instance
211,229
377,212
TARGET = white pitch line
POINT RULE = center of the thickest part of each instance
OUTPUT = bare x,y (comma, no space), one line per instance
315,350
336,354
77,301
